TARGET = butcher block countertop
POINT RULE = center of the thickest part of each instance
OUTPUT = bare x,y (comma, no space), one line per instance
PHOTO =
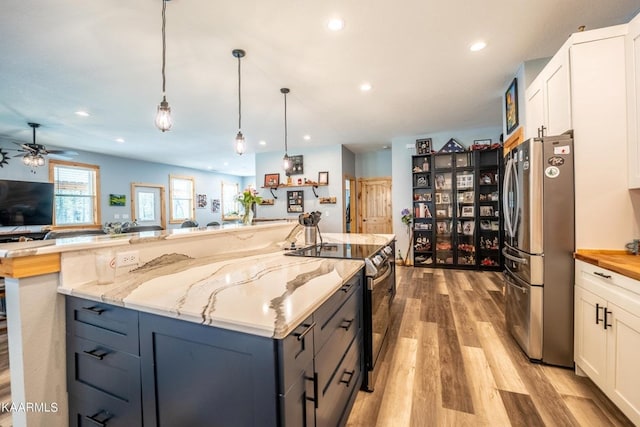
620,262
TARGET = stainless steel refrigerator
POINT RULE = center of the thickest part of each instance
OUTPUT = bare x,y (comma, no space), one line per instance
538,208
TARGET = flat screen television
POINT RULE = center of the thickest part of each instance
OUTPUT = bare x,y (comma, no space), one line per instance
25,203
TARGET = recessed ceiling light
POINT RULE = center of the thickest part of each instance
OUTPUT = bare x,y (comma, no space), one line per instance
307,137
365,87
82,113
335,24
262,142
477,46
209,167
120,140
226,163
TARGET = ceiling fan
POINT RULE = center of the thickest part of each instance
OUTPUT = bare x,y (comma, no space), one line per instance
35,153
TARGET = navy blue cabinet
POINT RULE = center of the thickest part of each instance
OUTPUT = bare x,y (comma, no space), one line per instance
137,369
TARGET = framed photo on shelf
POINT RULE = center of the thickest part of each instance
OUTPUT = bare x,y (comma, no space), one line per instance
323,178
446,198
466,211
511,106
468,227
438,198
467,197
423,146
271,179
487,178
485,225
441,213
486,210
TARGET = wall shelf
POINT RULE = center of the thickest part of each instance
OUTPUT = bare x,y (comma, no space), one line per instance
314,187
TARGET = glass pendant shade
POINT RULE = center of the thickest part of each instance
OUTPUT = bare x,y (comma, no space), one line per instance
286,163
239,144
163,117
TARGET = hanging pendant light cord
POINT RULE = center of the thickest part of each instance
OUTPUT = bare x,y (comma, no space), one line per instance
285,123
239,97
164,44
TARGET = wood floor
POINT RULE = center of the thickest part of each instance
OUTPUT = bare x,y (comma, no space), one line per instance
451,362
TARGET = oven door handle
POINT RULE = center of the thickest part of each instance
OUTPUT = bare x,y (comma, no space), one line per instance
376,280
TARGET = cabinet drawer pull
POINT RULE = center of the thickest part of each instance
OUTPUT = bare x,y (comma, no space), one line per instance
94,310
102,422
314,399
348,380
346,324
96,353
305,332
606,312
345,288
598,319
606,276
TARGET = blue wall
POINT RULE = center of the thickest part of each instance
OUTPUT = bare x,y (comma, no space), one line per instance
117,174
373,164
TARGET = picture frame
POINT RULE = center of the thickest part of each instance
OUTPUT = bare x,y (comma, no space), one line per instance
271,180
485,225
441,213
323,178
297,165
423,146
511,106
468,227
487,178
467,197
481,144
201,201
295,201
117,200
215,205
486,210
446,198
466,211
438,198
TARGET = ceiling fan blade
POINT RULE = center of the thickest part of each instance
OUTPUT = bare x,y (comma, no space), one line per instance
25,147
62,152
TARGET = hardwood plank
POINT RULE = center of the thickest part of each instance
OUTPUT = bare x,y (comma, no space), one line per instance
464,322
395,408
410,323
521,410
455,387
504,372
587,413
426,395
487,402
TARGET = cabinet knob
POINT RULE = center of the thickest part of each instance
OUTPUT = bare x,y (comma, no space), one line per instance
100,418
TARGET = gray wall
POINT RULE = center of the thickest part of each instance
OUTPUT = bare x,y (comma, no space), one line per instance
373,164
117,174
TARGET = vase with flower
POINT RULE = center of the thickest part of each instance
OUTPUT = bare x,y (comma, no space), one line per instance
249,198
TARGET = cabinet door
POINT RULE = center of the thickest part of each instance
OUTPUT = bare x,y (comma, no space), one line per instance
557,94
632,47
623,375
590,335
298,405
534,108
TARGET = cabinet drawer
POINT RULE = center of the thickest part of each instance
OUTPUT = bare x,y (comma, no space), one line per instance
342,329
297,407
295,352
94,366
107,324
334,396
92,410
326,317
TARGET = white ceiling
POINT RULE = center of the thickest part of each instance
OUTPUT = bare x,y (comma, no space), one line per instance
57,57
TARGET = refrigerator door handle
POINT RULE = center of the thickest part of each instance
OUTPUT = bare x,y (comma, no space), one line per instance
513,258
505,200
513,283
516,211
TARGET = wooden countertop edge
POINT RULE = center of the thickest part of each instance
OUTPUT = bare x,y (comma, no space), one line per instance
618,261
34,265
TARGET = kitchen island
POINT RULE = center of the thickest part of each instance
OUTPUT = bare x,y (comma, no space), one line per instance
234,279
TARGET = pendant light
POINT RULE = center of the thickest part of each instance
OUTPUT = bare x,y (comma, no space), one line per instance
239,144
286,161
163,116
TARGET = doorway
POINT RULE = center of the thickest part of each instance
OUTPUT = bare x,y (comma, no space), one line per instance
147,204
374,205
349,203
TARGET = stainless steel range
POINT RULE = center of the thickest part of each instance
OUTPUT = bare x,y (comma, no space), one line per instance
378,295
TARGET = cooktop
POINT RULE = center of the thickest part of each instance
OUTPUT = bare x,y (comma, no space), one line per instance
337,250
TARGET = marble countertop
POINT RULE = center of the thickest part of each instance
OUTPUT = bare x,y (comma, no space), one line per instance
68,244
267,293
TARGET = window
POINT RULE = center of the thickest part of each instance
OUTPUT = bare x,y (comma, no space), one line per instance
76,190
230,204
181,198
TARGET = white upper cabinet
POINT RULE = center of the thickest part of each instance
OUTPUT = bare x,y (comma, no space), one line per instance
632,46
549,98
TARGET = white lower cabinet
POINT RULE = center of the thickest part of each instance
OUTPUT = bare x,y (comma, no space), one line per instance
607,334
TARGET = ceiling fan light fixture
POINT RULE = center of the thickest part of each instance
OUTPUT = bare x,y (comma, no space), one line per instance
163,116
240,143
